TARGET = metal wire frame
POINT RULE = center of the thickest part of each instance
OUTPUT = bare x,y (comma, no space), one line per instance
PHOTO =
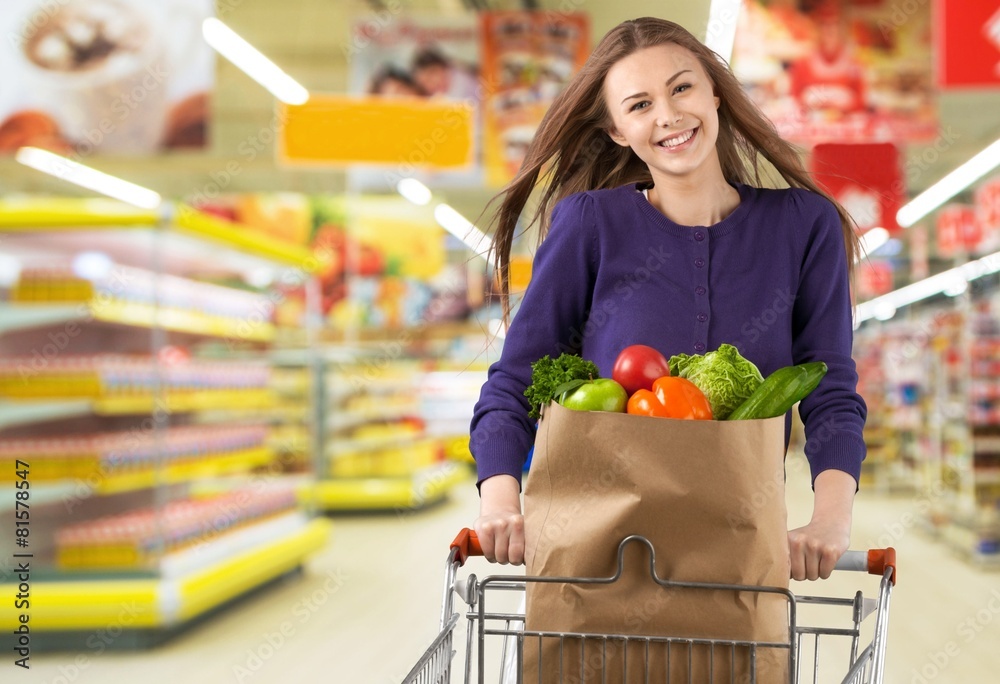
435,665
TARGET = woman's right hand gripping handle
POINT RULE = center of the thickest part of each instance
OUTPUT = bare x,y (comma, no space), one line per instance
500,525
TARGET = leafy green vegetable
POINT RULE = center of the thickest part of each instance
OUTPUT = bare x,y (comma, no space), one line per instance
726,378
549,375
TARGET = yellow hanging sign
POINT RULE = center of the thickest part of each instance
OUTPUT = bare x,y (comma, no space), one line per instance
336,130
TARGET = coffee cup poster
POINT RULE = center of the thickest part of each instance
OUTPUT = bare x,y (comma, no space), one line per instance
840,70
114,77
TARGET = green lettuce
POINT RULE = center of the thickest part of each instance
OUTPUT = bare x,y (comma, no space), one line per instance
724,377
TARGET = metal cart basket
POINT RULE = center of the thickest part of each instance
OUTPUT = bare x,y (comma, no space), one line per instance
503,632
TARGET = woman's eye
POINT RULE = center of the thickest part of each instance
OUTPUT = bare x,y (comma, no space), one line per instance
682,87
639,105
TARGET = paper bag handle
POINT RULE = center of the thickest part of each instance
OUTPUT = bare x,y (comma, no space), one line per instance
466,544
873,561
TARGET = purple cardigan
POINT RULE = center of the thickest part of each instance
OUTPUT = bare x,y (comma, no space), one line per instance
770,278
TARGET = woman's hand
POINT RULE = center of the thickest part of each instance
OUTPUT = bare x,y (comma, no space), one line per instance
500,525
816,548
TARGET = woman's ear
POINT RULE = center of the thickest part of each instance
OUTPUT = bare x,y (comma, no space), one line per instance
617,137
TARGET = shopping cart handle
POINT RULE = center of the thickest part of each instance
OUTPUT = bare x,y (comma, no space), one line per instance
873,561
466,544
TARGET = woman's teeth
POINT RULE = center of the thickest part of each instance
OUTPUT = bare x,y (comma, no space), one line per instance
679,140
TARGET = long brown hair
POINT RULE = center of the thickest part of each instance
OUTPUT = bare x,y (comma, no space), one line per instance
572,152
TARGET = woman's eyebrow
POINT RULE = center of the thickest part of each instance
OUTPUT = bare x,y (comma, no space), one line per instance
669,81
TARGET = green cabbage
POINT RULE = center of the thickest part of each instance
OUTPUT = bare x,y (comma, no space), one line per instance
724,377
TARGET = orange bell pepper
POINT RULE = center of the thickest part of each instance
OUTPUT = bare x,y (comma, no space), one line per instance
671,397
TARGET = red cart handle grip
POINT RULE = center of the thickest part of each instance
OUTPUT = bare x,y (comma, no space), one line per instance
874,561
466,544
880,559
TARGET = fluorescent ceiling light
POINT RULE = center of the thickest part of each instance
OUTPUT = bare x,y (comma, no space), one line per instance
414,191
721,31
230,45
872,240
952,282
84,176
949,186
460,227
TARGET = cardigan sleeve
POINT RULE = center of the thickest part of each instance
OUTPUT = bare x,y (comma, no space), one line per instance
822,330
553,310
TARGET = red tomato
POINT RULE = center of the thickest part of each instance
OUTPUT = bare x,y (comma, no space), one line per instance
671,398
638,366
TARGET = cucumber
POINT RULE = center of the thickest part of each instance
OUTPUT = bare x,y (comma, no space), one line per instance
780,391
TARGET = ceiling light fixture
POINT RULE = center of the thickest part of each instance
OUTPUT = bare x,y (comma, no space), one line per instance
871,241
952,282
86,177
949,186
414,191
252,62
462,228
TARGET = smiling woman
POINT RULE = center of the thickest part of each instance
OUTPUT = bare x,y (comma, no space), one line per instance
655,145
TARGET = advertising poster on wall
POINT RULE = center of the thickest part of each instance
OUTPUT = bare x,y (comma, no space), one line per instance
418,58
528,58
839,70
116,77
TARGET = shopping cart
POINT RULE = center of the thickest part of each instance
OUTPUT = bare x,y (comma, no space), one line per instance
864,667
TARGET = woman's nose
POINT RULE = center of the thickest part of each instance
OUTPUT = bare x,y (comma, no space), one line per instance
667,116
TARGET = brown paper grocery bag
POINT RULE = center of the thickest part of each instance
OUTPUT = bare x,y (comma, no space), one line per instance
709,495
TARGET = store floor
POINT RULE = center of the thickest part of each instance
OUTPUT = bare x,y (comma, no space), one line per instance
368,605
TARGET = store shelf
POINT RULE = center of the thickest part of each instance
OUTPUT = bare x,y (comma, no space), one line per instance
429,331
116,483
345,419
69,215
17,317
182,595
342,447
185,403
378,494
22,412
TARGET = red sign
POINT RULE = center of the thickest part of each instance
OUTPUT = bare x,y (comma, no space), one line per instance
987,199
957,230
967,41
875,278
865,178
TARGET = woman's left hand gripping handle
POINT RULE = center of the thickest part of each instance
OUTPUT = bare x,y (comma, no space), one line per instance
500,525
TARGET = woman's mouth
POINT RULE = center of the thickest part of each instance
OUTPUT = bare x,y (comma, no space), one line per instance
680,141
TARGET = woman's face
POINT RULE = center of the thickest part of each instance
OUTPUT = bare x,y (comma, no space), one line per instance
663,106
433,79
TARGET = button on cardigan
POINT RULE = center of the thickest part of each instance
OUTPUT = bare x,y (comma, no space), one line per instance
770,278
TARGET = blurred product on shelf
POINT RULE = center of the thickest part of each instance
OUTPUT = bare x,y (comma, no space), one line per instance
139,538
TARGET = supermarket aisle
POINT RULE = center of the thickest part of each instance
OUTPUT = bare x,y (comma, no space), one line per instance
369,603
